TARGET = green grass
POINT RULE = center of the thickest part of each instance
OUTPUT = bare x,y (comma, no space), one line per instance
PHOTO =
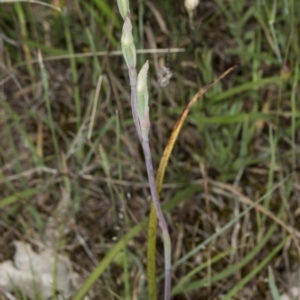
67,131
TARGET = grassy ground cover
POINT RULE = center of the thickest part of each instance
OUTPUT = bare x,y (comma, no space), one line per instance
231,188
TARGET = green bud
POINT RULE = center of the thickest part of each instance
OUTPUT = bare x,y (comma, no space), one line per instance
143,100
128,47
142,77
123,6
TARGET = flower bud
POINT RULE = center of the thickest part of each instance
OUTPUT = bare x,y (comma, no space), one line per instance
143,100
190,5
142,90
123,6
128,47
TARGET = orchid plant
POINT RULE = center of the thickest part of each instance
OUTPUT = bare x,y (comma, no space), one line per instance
140,113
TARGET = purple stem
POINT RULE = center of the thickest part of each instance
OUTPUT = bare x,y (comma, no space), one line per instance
154,195
161,218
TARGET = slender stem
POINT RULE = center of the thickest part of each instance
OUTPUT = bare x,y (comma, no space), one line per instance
129,52
161,218
154,195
